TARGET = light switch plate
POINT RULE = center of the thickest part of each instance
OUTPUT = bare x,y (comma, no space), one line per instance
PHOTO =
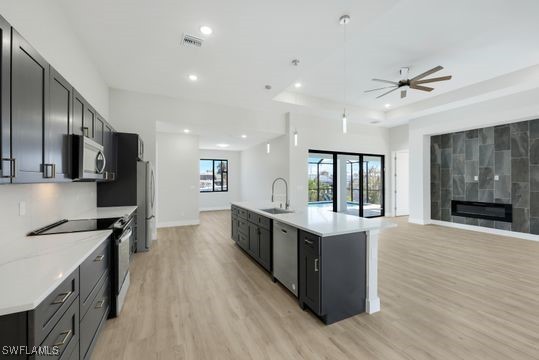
476,178
496,177
22,208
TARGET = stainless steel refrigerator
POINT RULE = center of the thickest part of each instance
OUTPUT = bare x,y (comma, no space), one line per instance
145,205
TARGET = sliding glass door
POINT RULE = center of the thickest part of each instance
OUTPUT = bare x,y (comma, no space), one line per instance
344,182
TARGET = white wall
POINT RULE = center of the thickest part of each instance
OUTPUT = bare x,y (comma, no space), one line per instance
518,107
47,28
178,180
326,134
222,200
45,204
398,137
259,169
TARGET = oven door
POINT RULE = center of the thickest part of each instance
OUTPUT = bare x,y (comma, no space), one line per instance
123,244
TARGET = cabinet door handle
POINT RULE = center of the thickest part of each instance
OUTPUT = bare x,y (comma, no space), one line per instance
307,241
316,265
283,230
85,131
66,335
99,258
100,304
62,300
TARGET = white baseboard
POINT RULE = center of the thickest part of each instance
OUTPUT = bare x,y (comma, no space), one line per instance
216,208
417,221
178,223
487,230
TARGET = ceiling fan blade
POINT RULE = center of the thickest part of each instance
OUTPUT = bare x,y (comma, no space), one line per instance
403,94
385,87
427,73
442,78
384,94
422,88
386,81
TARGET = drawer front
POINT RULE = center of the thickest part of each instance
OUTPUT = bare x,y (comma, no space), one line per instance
47,314
95,317
85,306
243,213
243,241
243,227
264,222
93,268
65,335
310,241
234,210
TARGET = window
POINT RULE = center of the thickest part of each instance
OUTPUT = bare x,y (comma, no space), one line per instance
213,175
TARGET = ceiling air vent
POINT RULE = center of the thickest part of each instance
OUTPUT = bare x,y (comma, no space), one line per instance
190,40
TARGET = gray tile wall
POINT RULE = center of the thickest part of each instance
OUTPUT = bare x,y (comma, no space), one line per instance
495,164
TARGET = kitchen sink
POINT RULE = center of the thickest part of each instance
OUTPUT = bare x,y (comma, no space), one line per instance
277,211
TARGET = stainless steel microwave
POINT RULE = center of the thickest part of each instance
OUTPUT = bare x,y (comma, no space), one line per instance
89,160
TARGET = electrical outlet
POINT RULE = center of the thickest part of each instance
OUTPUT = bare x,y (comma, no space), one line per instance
476,178
22,208
496,177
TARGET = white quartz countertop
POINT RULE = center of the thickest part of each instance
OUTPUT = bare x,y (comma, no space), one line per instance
320,221
106,212
31,267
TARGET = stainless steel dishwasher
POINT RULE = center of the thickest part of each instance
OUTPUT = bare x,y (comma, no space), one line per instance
285,255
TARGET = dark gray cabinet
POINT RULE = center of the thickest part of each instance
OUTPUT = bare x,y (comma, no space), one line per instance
77,127
99,129
57,128
6,162
88,121
111,151
29,108
309,275
252,232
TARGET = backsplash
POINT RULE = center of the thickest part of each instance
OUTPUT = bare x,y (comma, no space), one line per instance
45,203
464,166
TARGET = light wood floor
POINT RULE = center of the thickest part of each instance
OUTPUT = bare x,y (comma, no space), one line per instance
446,294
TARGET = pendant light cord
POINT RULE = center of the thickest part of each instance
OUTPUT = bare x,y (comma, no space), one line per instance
344,60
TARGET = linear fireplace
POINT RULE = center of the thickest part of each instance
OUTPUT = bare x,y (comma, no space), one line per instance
482,210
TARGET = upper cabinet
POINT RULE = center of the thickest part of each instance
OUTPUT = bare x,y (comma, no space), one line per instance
29,108
39,111
6,162
57,128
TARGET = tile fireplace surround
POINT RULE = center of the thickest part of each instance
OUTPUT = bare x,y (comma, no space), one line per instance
498,164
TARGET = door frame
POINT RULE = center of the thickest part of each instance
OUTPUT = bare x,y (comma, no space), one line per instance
394,179
335,177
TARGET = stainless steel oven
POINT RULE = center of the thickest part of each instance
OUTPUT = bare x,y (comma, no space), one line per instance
89,159
124,237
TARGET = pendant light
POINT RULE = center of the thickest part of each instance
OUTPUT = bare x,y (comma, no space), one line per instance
295,62
343,20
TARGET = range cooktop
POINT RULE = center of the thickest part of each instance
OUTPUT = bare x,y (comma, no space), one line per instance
71,226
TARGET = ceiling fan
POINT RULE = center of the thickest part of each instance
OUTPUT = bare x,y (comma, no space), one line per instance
415,83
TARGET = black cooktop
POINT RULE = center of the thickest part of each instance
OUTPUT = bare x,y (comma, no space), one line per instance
71,226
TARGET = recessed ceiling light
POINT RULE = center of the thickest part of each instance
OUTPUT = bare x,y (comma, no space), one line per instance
243,136
187,131
223,145
267,87
193,77
297,85
206,30
387,106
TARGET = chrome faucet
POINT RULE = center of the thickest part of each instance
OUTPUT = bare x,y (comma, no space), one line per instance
287,204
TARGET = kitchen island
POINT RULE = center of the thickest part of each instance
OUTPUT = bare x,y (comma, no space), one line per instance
337,255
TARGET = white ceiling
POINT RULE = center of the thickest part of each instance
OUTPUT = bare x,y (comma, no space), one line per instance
136,46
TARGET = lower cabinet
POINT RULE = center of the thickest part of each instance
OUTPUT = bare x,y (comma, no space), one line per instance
252,232
64,324
309,271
